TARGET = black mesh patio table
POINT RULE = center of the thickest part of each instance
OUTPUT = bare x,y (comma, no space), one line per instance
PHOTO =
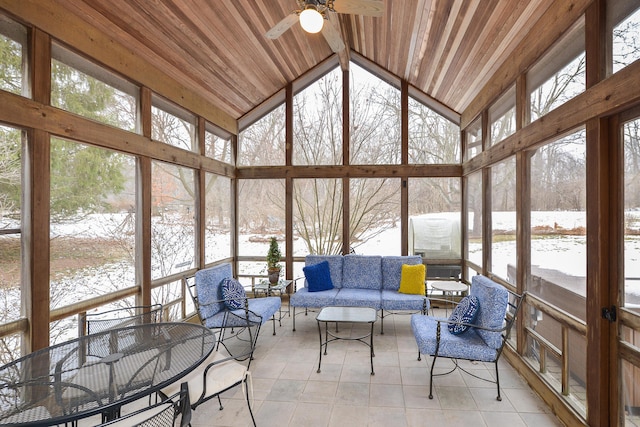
98,373
345,315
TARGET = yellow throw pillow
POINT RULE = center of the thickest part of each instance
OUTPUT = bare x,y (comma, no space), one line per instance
412,279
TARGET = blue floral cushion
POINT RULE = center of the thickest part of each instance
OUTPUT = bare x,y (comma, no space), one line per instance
318,277
233,294
465,312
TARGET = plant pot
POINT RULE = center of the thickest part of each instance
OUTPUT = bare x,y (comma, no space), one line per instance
274,275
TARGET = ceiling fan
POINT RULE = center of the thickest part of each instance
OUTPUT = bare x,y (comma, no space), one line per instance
312,15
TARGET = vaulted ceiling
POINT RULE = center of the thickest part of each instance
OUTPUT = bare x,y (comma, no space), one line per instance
448,49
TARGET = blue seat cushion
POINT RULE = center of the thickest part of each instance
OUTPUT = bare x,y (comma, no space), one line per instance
304,298
318,277
260,311
494,299
392,300
465,312
233,293
359,298
468,346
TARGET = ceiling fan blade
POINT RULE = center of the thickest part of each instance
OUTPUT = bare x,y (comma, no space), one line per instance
282,26
360,7
332,35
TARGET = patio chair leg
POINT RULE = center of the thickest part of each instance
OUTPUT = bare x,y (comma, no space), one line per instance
220,402
249,402
274,324
294,319
381,322
431,378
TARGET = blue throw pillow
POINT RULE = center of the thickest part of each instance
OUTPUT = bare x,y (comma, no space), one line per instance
318,277
465,312
233,294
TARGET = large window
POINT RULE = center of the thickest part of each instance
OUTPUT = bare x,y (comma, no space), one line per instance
474,218
92,225
317,216
559,254
263,143
83,88
375,119
172,219
10,235
317,122
433,139
434,223
217,231
503,219
13,42
261,204
559,75
374,220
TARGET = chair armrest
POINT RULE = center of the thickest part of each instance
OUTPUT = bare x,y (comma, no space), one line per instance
295,283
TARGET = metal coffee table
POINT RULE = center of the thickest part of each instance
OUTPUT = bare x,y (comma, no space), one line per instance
350,315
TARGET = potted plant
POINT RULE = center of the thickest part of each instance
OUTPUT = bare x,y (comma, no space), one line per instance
273,261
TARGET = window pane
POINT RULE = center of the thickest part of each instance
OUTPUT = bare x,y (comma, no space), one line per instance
631,135
13,41
217,147
217,232
174,127
503,219
433,139
502,117
77,88
260,216
10,224
172,219
473,139
375,119
317,216
317,122
92,225
263,143
626,41
434,223
374,222
474,217
558,224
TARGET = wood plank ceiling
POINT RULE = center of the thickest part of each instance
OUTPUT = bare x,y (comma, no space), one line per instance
447,48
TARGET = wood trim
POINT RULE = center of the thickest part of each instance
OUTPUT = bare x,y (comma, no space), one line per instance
36,243
346,137
549,28
72,30
200,182
369,171
404,150
35,240
288,184
523,236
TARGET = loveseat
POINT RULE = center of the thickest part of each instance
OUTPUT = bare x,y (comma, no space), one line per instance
361,281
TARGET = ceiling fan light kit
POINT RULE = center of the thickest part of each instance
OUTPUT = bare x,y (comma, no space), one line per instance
312,13
311,20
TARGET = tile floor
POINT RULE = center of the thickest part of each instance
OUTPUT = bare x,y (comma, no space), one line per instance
289,392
